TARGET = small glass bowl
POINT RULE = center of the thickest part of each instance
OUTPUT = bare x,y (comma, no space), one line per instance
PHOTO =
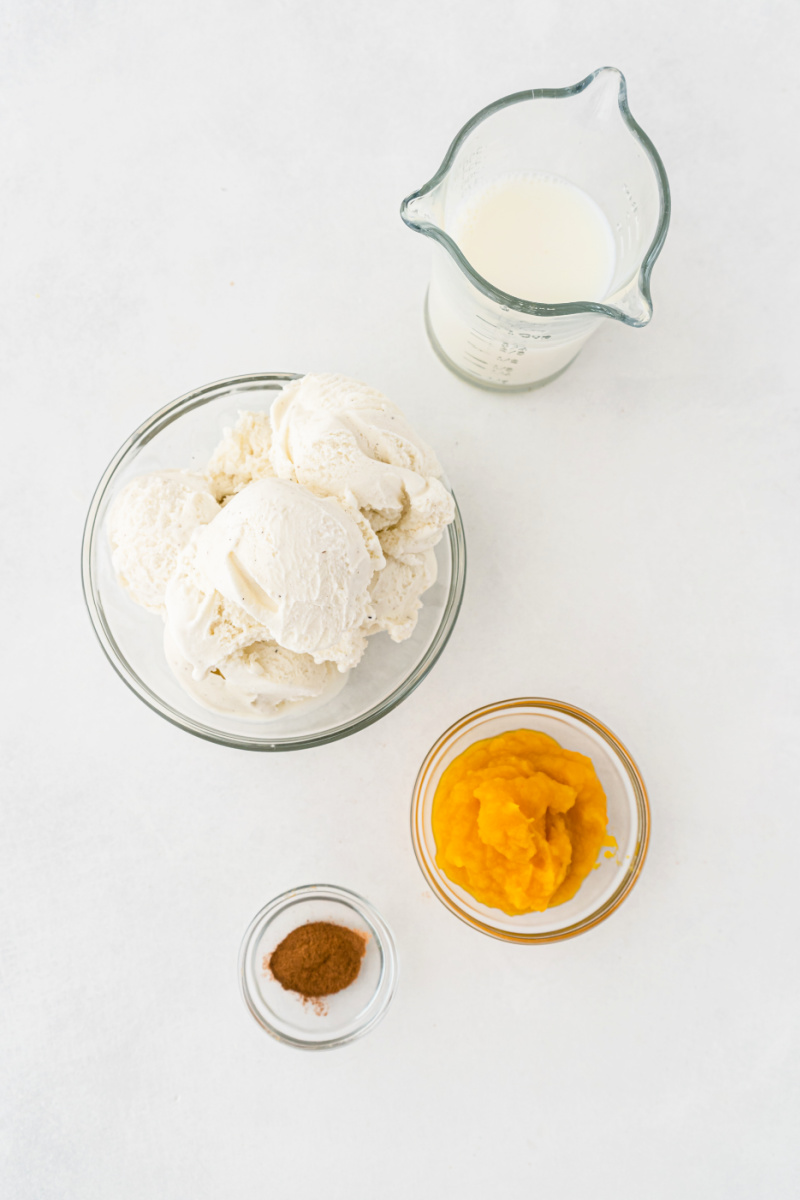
628,819
182,435
339,1018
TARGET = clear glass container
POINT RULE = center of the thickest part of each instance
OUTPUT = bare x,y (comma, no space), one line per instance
628,819
183,434
584,135
339,1018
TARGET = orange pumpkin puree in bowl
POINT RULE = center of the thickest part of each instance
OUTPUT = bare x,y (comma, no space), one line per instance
518,821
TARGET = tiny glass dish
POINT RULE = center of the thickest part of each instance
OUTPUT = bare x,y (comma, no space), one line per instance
183,434
318,1023
628,819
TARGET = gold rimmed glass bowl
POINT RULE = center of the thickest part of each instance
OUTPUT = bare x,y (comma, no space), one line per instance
628,819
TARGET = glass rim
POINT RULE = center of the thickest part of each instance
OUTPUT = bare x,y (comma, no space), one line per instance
154,424
632,873
387,981
531,307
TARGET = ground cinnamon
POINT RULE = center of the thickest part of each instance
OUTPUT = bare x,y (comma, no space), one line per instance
318,959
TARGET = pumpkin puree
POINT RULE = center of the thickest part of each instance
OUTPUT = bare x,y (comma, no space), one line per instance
518,821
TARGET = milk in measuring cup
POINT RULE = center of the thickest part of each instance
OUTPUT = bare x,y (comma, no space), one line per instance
538,238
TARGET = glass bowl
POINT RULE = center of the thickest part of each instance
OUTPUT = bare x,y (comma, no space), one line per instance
183,434
628,819
342,1017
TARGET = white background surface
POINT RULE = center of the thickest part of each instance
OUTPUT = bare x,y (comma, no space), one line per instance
194,190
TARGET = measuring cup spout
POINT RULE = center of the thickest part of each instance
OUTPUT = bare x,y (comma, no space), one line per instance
422,210
632,303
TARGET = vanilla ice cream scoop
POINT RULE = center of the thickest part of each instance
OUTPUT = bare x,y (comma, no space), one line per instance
203,627
224,657
296,563
344,439
396,592
257,683
149,524
242,455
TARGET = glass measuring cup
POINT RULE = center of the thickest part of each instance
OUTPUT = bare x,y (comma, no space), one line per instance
583,135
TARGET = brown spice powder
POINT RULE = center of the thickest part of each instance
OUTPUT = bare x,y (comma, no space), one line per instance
318,959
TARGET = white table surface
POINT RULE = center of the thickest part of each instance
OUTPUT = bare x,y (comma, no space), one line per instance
195,190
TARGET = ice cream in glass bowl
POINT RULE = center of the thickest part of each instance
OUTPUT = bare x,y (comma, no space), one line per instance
274,561
530,820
